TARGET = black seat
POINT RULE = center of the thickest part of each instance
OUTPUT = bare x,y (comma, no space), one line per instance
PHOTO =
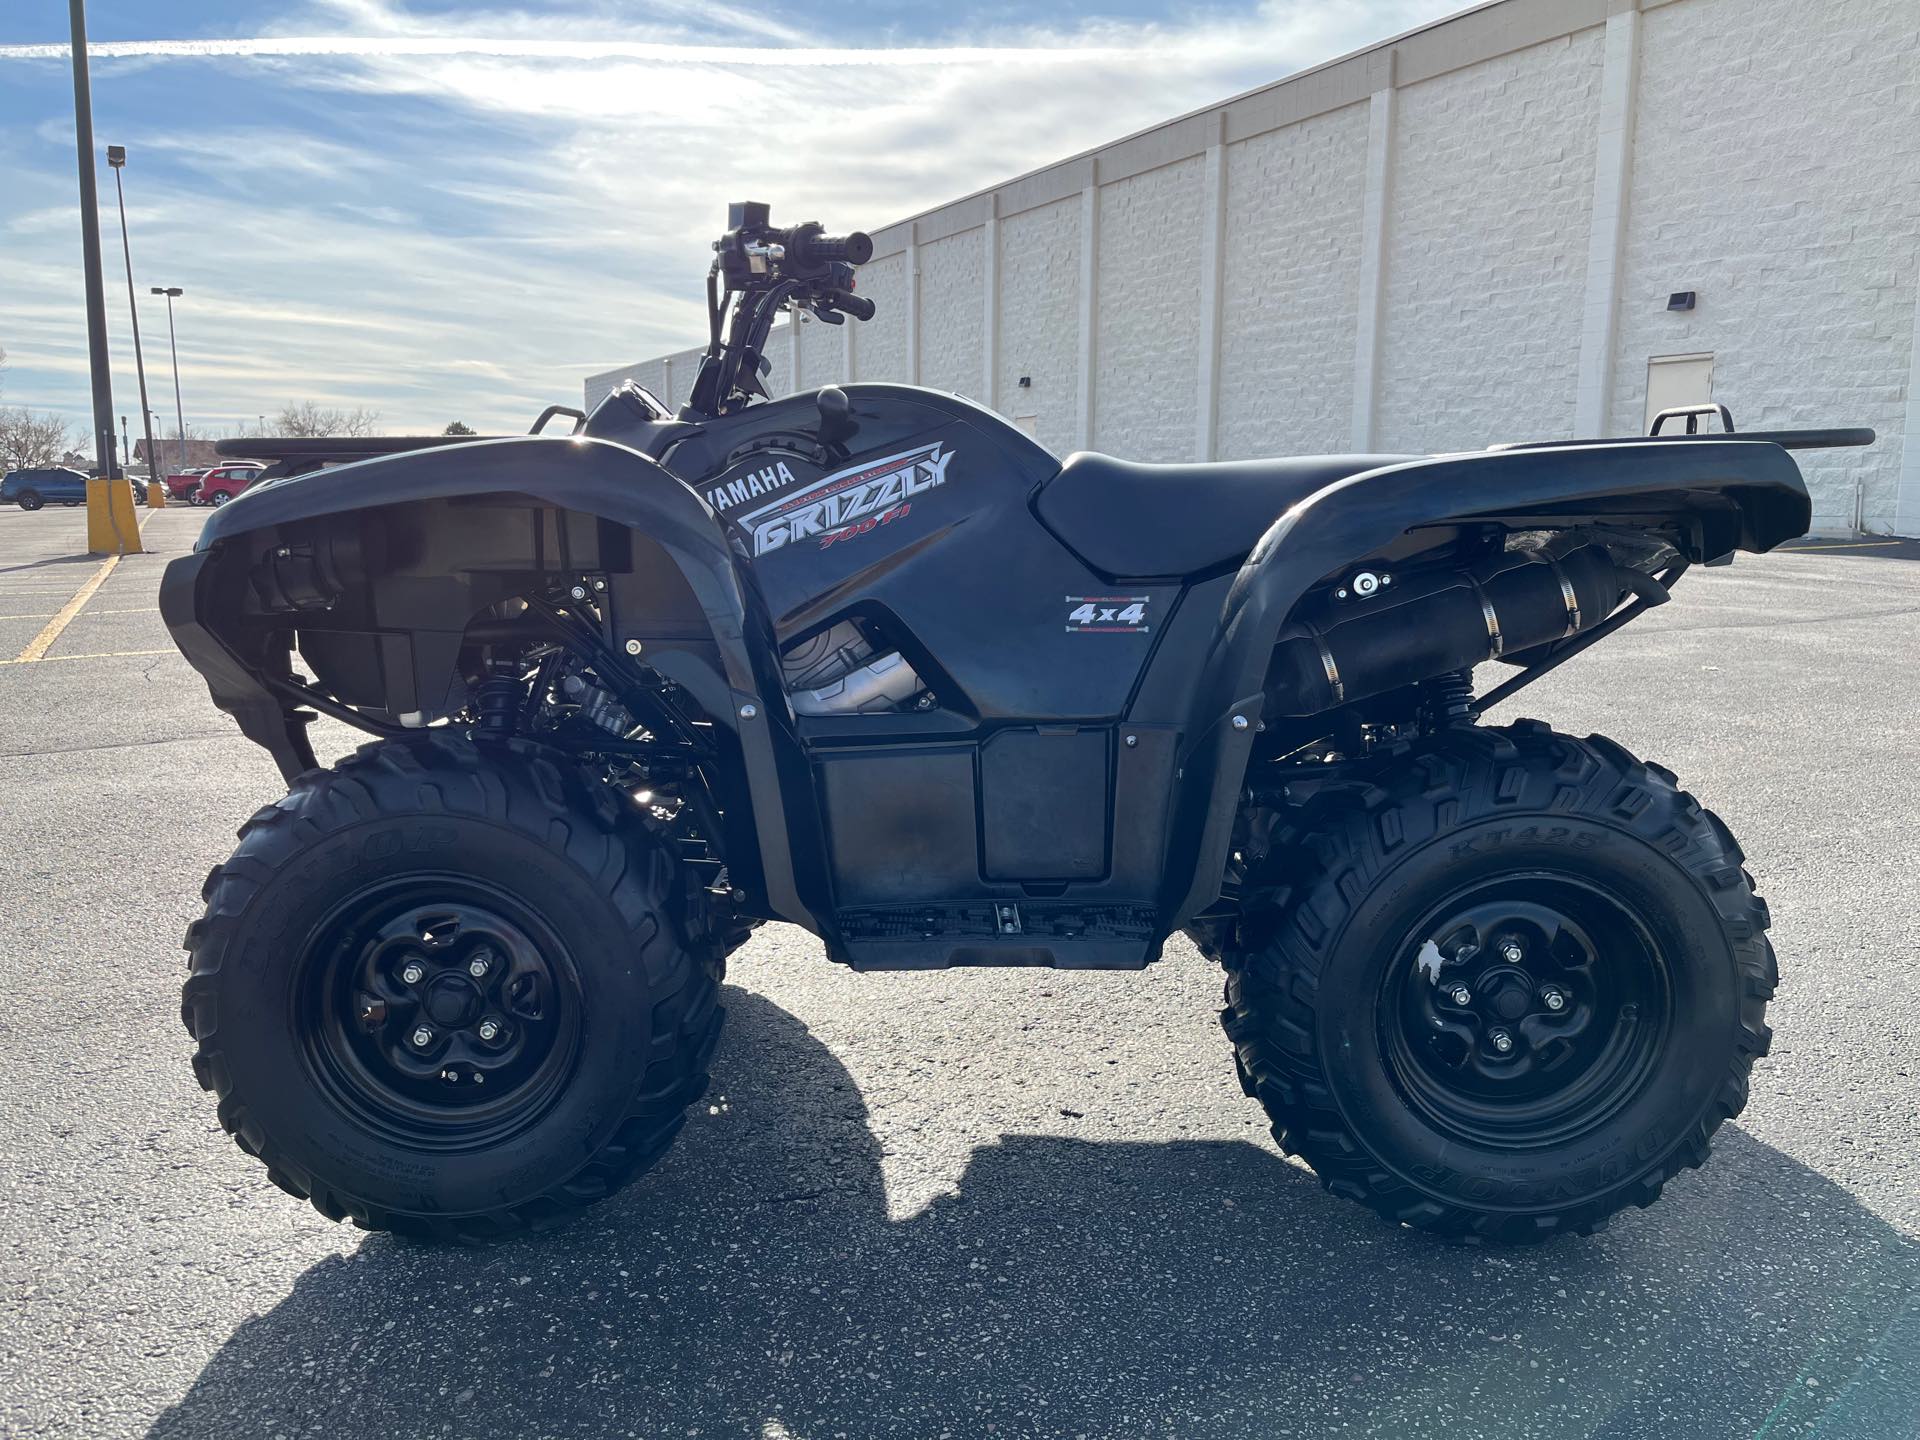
1131,521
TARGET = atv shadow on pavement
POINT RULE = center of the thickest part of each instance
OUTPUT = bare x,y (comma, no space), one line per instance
755,1286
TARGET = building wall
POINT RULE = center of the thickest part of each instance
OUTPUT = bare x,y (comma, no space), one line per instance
1462,236
1778,180
1039,309
952,311
1147,338
1491,191
1291,287
880,345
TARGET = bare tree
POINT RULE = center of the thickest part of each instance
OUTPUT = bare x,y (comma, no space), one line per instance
28,439
309,419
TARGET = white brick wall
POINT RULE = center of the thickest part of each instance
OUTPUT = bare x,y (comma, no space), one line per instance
1149,322
823,353
1773,167
1491,192
880,347
952,314
1291,286
1780,179
1039,306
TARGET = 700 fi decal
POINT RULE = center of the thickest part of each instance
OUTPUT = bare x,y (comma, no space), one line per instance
1107,614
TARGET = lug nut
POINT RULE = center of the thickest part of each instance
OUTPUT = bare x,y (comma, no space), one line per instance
481,962
578,592
634,647
413,972
1460,995
422,1038
1511,952
1501,1041
1553,999
489,1029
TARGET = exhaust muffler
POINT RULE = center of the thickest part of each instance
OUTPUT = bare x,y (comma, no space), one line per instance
1425,626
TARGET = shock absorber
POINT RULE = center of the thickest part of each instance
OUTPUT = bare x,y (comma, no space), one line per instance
497,699
1448,699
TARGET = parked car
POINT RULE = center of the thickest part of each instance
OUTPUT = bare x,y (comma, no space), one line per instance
31,488
223,482
182,484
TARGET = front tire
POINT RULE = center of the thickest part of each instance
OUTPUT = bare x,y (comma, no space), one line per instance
30,501
449,992
1501,985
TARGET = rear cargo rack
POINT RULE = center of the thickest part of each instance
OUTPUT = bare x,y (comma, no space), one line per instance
1816,439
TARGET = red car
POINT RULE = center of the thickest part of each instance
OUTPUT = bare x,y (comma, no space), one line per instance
221,483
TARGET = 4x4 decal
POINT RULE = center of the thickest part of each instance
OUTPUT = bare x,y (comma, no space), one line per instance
1107,614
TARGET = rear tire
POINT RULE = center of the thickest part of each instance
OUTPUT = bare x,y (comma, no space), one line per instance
449,993
1379,1015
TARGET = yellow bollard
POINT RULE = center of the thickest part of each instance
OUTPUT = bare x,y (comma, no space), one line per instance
156,495
111,526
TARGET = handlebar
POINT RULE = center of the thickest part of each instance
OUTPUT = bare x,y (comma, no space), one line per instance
810,248
758,272
858,306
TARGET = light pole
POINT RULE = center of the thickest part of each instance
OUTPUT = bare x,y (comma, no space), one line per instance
103,436
180,415
117,158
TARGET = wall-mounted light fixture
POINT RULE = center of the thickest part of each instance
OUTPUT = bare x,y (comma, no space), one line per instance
1680,300
1026,382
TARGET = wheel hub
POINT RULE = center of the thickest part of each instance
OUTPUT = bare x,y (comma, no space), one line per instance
1524,1009
452,1000
440,1012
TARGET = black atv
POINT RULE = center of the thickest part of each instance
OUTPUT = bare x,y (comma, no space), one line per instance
870,661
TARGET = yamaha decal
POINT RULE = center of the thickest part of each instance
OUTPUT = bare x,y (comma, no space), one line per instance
846,504
1107,614
750,486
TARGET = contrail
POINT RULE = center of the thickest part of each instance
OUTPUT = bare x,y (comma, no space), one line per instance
381,46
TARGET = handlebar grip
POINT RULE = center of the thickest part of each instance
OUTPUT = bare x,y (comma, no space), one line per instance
854,249
858,306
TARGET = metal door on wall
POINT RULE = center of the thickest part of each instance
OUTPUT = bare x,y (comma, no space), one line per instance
1676,380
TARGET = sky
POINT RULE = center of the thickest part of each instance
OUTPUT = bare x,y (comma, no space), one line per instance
444,211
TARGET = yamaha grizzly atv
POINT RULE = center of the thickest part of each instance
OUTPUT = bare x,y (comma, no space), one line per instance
870,661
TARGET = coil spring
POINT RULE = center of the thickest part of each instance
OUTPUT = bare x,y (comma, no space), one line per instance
497,699
1448,699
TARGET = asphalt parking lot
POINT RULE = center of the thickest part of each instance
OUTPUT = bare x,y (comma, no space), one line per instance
974,1203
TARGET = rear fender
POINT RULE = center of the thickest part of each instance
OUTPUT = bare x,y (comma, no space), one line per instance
1716,496
419,510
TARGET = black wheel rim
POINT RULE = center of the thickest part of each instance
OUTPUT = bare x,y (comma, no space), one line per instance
1524,1011
439,1011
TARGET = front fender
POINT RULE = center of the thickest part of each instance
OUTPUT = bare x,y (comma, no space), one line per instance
1728,495
584,476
